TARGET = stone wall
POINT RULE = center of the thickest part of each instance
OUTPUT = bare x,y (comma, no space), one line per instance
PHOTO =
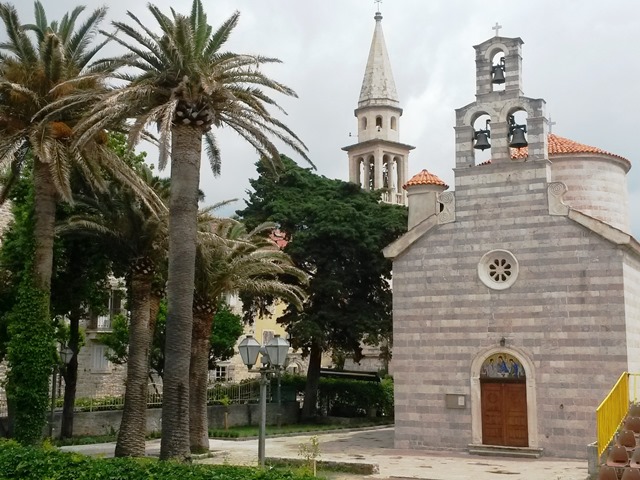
101,423
565,313
597,186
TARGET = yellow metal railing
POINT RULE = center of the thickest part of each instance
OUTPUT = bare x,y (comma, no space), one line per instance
612,410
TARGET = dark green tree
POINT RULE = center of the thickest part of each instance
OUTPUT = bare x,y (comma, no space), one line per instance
335,233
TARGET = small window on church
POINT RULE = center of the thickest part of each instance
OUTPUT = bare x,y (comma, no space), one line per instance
393,123
378,123
498,269
364,123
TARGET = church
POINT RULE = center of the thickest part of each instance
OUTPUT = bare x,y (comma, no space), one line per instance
516,302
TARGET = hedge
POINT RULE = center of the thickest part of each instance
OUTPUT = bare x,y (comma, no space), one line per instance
348,398
31,463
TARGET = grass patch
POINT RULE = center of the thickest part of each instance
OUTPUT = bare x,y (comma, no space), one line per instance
301,465
272,430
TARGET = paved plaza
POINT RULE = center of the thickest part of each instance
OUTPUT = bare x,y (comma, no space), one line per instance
376,446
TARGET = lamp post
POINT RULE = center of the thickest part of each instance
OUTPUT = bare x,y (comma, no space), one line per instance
274,355
65,354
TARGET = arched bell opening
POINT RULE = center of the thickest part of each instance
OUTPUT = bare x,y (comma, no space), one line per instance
379,123
387,168
363,123
358,179
367,173
517,131
498,69
394,123
482,138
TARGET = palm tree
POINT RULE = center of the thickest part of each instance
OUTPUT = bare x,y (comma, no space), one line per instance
43,65
229,260
185,85
137,239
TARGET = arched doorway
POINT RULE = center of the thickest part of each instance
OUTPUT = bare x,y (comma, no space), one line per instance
503,394
503,399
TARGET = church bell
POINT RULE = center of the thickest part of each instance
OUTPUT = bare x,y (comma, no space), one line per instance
497,72
482,138
516,134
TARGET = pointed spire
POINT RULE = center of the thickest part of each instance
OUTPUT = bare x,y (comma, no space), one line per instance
378,86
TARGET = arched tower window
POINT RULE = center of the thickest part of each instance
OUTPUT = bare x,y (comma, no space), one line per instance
498,72
364,123
379,122
482,139
517,133
394,123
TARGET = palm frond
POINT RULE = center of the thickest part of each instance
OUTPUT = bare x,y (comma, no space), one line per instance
21,46
79,43
213,153
219,38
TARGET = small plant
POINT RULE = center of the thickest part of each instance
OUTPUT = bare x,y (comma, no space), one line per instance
310,452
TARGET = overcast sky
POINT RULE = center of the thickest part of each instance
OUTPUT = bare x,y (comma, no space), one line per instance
582,57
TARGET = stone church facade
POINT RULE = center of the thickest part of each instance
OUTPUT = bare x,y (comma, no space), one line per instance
516,296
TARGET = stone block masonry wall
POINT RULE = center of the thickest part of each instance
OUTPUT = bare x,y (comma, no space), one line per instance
102,423
632,310
566,312
596,186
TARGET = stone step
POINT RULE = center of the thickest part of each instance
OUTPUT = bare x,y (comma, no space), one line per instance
502,451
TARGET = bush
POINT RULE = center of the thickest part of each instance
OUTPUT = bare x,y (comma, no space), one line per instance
348,398
29,463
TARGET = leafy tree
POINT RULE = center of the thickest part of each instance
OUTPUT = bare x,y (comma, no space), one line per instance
30,352
335,233
185,84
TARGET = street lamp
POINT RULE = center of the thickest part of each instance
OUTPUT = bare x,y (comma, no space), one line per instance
66,354
274,355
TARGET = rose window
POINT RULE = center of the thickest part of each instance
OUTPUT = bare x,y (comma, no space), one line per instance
498,269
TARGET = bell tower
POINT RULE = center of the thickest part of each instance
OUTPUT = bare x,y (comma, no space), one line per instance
378,160
513,120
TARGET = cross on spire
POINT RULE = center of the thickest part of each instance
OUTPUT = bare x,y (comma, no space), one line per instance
550,123
378,6
497,28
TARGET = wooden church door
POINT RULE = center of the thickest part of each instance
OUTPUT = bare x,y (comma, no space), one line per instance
504,404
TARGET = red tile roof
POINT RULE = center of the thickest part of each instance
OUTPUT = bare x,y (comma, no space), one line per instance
563,146
424,178
278,237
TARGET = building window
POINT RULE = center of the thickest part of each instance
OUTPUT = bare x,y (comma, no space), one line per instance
220,373
267,336
498,269
99,361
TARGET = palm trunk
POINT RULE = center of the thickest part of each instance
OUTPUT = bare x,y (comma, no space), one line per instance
131,437
44,230
183,211
313,380
198,381
71,376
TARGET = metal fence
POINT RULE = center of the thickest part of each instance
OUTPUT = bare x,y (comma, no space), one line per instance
217,394
611,412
